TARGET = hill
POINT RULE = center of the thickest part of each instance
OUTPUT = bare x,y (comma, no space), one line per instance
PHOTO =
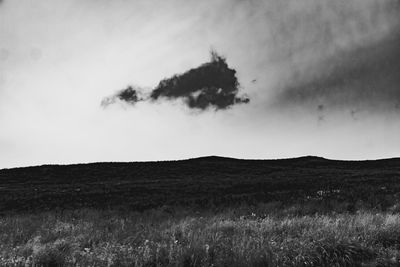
200,182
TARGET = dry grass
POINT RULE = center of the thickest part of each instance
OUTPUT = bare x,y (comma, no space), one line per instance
263,236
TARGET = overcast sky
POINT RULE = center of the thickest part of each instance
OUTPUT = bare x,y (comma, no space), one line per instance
322,76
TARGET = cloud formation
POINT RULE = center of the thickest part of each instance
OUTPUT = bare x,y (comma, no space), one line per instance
363,78
331,53
337,54
130,95
211,85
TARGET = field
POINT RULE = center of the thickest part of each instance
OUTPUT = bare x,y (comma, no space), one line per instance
272,237
202,212
203,183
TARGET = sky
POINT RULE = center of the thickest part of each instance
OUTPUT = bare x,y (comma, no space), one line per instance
322,78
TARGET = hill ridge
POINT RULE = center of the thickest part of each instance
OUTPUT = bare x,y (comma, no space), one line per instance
201,181
210,158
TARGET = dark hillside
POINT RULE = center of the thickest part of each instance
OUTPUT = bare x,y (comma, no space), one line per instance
201,182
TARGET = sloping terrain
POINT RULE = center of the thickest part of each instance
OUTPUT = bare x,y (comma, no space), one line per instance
202,182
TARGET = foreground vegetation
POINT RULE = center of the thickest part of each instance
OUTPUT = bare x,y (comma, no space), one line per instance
202,212
265,235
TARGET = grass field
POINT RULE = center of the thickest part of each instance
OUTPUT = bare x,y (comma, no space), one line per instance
267,235
202,212
203,182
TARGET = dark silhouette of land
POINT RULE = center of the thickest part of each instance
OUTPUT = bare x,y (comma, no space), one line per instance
207,182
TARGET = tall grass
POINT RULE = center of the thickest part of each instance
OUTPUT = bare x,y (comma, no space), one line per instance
268,235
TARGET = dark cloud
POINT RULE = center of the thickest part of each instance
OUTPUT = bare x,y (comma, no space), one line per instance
211,85
129,95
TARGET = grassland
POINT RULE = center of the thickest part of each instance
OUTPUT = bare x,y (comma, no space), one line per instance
202,212
267,235
203,182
